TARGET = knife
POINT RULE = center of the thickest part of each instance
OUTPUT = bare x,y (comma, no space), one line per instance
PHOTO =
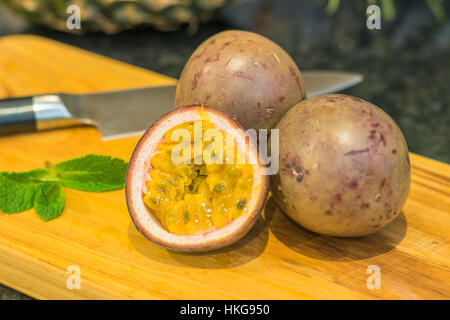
124,113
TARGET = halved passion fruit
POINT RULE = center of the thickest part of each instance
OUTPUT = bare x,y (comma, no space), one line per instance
194,181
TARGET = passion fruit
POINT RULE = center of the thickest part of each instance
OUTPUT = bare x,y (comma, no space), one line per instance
344,166
243,74
194,181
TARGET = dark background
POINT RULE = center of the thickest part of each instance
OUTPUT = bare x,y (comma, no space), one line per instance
406,64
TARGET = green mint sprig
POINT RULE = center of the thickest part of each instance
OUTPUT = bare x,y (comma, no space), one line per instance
42,189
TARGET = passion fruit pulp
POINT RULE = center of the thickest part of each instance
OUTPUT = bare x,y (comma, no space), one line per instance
199,201
191,198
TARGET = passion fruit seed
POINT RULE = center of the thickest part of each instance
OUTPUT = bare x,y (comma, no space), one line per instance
186,216
220,187
241,204
155,201
162,188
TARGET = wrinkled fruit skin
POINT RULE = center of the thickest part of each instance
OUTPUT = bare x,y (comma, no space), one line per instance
344,166
243,74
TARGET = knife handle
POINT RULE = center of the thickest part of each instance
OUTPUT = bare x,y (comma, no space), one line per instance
17,116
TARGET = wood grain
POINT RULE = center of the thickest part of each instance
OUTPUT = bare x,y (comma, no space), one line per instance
30,65
276,260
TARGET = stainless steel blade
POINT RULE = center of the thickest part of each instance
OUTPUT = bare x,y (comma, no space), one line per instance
122,113
323,82
130,112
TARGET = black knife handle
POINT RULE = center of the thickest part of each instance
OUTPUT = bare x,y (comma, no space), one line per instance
17,116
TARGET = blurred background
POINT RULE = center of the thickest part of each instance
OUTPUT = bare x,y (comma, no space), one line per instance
406,64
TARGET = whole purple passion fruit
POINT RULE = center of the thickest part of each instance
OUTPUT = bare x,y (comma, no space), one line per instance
344,166
243,74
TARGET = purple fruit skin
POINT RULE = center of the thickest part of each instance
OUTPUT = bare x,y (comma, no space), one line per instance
243,74
344,166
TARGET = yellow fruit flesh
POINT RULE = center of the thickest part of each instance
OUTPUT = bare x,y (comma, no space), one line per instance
190,198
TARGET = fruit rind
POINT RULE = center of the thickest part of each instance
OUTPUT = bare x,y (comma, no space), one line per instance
137,172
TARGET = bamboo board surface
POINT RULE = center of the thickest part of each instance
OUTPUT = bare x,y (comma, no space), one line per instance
276,260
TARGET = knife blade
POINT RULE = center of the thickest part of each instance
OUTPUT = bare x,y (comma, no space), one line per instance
322,82
127,112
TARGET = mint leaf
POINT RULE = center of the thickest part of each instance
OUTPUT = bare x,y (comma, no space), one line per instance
93,173
49,201
17,190
43,188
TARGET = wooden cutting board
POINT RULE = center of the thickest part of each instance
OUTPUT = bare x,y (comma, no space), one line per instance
276,260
